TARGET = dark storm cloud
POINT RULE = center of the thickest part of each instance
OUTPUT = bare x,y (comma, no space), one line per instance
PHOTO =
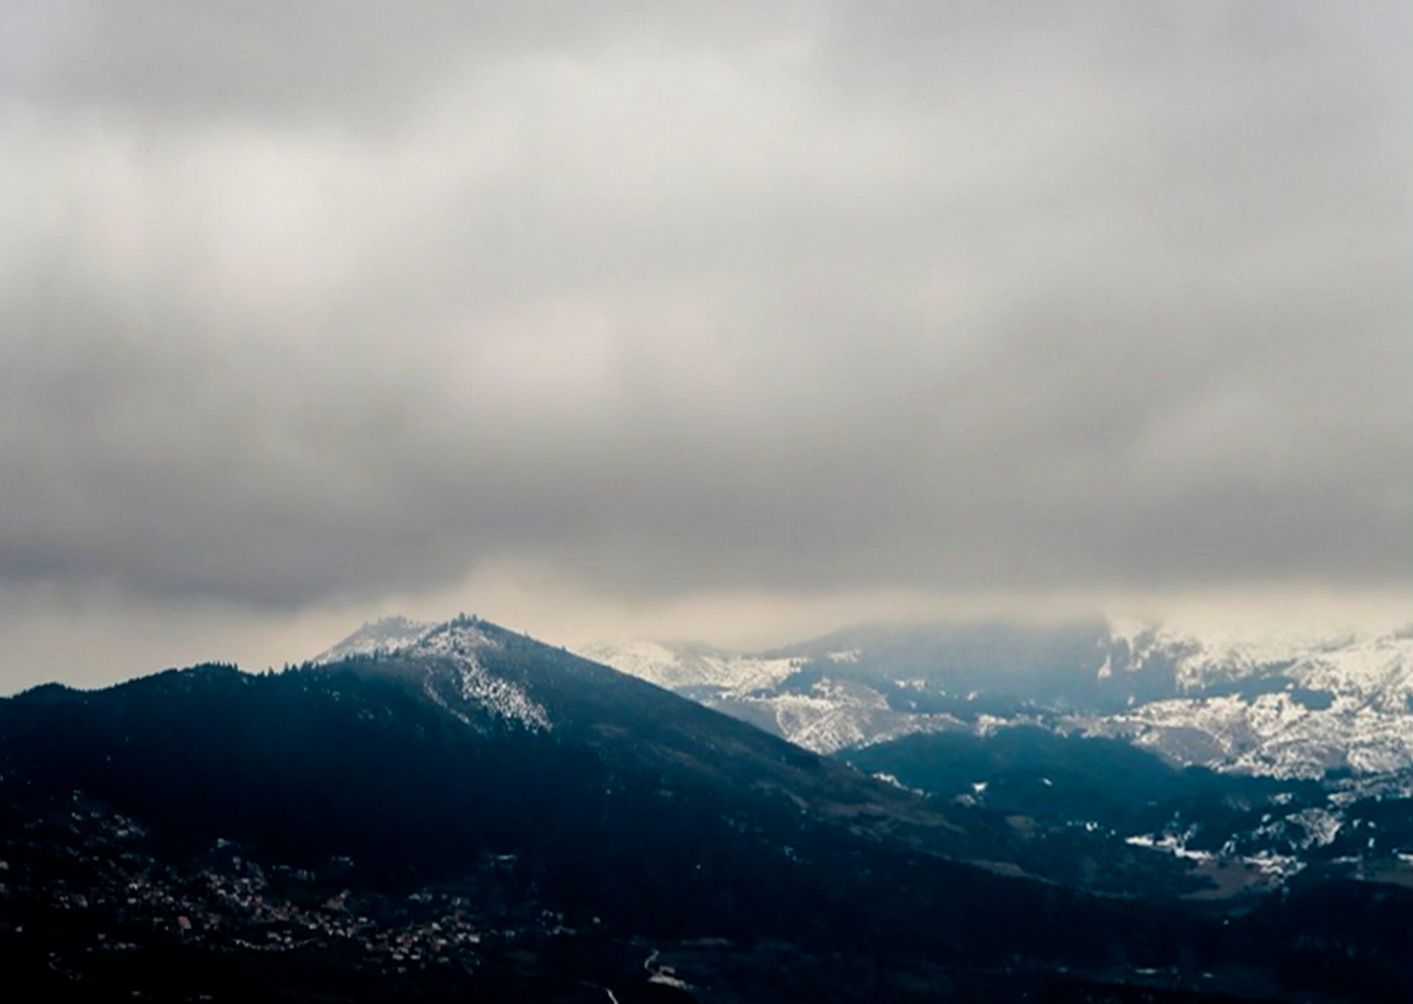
307,301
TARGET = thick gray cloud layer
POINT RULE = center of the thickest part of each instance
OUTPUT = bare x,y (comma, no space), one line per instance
304,303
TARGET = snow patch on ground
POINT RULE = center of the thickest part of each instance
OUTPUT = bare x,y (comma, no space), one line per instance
1275,867
1173,843
1321,827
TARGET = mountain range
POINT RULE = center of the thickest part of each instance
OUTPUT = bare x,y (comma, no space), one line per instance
1303,746
457,811
1282,706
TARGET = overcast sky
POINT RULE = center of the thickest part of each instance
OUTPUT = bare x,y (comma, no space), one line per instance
733,320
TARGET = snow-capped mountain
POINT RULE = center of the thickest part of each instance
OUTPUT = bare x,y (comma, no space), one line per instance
1287,706
449,657
1283,706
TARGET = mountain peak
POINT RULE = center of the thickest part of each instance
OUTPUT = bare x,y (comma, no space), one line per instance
446,659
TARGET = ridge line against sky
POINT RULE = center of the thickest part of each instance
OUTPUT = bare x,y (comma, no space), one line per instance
719,320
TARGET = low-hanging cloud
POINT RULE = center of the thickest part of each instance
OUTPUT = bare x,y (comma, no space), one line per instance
304,303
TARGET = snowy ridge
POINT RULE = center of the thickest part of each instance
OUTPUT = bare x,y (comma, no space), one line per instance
458,644
837,715
833,714
1375,668
379,637
1342,702
685,667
